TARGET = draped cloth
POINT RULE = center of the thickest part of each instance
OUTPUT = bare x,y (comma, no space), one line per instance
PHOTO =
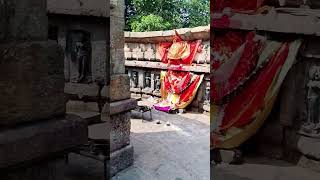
244,96
178,88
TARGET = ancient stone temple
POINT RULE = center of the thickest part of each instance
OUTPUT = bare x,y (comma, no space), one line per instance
35,130
143,63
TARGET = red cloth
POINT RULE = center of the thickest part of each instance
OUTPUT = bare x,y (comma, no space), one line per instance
241,109
195,47
244,67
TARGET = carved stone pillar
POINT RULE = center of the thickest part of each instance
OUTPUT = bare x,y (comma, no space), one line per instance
35,131
120,103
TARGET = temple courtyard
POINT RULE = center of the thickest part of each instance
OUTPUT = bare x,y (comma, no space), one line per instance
176,149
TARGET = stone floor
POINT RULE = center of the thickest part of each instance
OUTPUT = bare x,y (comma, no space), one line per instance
176,152
262,169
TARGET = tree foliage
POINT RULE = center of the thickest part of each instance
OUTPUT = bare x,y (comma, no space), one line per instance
152,15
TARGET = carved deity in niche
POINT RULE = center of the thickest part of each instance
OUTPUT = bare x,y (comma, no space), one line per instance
147,80
207,94
157,83
134,79
79,53
311,126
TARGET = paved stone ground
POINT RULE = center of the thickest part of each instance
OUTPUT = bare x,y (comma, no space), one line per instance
258,168
176,152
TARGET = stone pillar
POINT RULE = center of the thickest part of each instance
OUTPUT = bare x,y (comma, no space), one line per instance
35,132
120,102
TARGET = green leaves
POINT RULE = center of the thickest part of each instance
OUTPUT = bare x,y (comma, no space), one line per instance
153,15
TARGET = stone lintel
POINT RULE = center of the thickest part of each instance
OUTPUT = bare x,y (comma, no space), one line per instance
188,34
40,140
200,68
97,8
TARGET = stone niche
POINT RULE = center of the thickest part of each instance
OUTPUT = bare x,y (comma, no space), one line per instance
83,39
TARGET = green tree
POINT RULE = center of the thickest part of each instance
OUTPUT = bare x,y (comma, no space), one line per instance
152,15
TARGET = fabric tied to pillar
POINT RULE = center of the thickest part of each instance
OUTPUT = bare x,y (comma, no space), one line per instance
178,88
244,96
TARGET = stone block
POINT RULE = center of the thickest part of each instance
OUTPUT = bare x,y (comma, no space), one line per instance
122,106
309,164
42,139
80,106
121,159
23,20
120,131
31,82
79,91
310,147
119,87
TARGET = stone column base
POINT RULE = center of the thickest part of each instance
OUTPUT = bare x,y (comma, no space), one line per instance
120,160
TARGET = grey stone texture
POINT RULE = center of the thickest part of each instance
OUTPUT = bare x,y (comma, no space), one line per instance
117,37
310,147
82,90
122,106
99,8
119,87
121,159
119,131
31,82
23,20
40,140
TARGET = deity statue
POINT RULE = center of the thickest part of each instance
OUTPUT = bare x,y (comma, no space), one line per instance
157,83
82,59
134,79
312,125
79,52
147,80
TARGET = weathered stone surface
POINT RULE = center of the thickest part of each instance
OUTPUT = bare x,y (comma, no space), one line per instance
202,32
39,140
31,82
309,147
309,164
120,131
80,106
49,170
122,106
89,117
98,8
23,20
119,87
82,90
121,159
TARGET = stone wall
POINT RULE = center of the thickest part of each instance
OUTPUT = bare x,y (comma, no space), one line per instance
35,131
143,63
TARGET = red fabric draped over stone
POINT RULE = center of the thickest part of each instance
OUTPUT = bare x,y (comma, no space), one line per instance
240,110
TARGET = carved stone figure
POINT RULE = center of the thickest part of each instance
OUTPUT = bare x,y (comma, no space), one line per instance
207,94
79,50
147,80
312,125
157,83
134,79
